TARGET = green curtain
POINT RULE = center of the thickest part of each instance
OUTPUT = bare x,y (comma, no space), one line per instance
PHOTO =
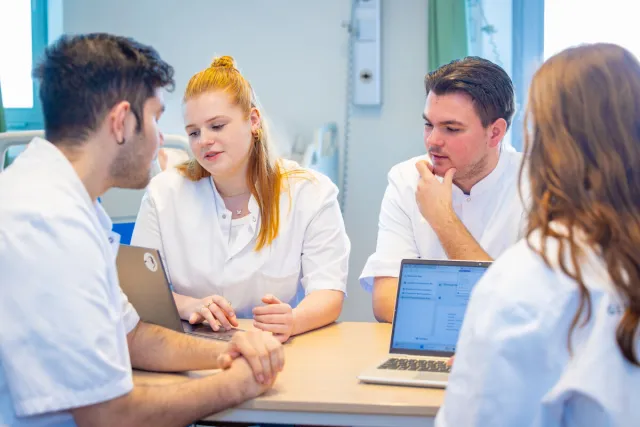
447,31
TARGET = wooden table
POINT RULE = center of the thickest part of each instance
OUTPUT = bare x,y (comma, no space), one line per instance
318,385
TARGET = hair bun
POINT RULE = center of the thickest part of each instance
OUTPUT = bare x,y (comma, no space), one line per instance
224,62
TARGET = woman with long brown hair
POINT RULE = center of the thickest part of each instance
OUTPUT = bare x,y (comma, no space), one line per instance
550,336
243,233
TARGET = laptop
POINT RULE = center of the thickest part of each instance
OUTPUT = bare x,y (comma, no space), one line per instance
431,301
144,281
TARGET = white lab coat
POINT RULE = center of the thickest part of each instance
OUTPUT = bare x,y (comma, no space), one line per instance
493,213
190,225
63,318
513,366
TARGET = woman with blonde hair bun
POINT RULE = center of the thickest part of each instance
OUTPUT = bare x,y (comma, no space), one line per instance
244,234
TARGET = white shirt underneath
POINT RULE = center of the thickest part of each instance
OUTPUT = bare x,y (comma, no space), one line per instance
237,225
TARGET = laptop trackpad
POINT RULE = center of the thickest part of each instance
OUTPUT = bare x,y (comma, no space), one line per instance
431,376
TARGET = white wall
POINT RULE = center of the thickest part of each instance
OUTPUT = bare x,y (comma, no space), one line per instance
382,138
295,55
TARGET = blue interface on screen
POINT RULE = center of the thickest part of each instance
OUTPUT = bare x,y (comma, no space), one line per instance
431,304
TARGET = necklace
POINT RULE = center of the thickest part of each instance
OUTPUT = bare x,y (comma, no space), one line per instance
235,195
226,198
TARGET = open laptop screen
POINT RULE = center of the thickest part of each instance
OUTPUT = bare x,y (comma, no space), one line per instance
432,300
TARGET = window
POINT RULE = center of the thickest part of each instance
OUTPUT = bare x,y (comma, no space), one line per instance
614,23
23,37
509,33
520,34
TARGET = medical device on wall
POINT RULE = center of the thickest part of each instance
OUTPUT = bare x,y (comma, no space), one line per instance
364,76
366,72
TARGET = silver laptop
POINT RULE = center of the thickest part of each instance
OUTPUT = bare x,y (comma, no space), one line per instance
144,281
431,301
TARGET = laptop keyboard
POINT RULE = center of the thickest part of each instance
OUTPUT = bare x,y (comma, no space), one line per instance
415,365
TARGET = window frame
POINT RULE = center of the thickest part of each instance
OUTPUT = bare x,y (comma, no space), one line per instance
31,118
527,56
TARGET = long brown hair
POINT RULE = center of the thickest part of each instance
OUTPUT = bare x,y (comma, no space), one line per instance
582,141
265,173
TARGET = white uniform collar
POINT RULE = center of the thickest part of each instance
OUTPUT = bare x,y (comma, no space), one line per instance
254,209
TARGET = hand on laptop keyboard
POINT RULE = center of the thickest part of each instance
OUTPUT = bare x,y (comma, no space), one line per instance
215,309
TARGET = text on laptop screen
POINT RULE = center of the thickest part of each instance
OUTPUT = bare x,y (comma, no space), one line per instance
432,301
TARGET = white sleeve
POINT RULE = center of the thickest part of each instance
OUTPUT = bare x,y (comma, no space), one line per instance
502,368
146,232
326,246
395,232
63,343
130,316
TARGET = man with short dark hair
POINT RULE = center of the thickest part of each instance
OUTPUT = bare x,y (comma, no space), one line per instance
461,200
68,336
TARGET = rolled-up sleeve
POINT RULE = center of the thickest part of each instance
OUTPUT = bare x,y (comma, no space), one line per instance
395,231
63,337
326,247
